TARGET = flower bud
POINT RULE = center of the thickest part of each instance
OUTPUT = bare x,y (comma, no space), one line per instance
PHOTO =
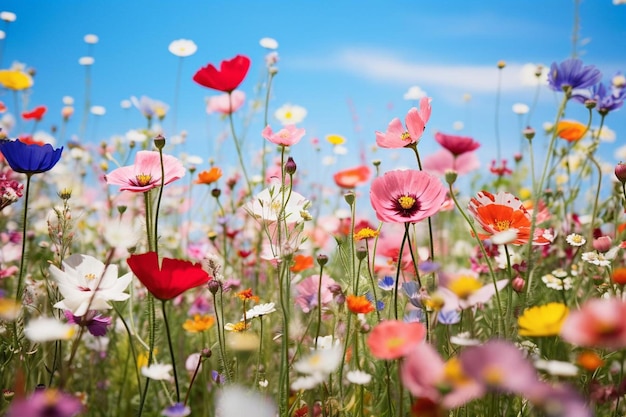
349,197
206,353
590,104
529,133
620,172
451,176
501,64
214,286
518,284
322,259
602,244
159,141
290,166
361,253
216,192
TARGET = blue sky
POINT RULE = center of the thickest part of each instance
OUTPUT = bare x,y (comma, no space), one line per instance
332,53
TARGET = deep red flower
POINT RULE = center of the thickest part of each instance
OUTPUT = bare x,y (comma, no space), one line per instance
171,279
457,145
227,78
35,114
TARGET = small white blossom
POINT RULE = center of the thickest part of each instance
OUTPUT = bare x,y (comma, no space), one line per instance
268,43
86,60
157,371
358,377
574,239
91,39
557,368
595,258
183,47
8,16
260,310
520,108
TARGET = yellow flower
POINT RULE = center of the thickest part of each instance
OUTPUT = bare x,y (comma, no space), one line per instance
366,233
15,80
142,358
334,139
464,286
198,323
545,320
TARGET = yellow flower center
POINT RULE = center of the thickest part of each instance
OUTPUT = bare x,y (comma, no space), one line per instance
395,342
493,375
288,115
143,179
464,286
90,276
406,202
405,136
502,225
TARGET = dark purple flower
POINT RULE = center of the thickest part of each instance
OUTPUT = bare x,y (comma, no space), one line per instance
607,99
96,324
571,75
45,402
30,159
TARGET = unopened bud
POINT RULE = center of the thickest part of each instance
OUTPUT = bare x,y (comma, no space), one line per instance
451,176
290,166
602,244
518,284
349,197
159,141
361,253
322,259
214,286
501,64
206,353
529,133
620,172
590,104
216,192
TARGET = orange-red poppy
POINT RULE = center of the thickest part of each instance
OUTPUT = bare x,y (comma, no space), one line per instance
35,114
301,263
571,130
359,304
351,177
209,176
619,275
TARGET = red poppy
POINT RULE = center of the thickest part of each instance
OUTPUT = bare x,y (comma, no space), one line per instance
351,177
35,114
171,279
3,107
227,78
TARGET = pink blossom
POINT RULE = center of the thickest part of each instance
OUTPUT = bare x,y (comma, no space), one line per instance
598,323
287,136
406,196
307,292
457,145
145,174
442,161
397,136
226,103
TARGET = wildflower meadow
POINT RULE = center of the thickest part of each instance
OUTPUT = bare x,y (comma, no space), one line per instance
431,272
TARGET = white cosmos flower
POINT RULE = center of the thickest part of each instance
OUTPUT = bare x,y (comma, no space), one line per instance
183,47
266,205
596,258
260,310
557,368
122,233
268,43
46,329
86,60
358,377
157,371
289,114
320,363
86,285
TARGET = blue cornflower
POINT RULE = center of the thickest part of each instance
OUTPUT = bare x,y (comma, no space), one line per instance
571,74
387,283
412,290
29,159
606,99
448,317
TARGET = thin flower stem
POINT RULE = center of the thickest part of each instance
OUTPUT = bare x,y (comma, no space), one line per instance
371,277
431,240
158,204
497,116
169,344
419,281
260,356
265,121
193,379
395,290
20,277
237,145
319,306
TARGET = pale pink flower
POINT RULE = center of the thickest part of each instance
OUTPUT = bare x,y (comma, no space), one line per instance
226,103
307,292
442,161
145,174
599,323
287,136
397,136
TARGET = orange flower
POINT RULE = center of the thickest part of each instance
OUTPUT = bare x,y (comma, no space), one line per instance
571,130
209,176
247,295
198,323
589,360
619,275
301,262
351,177
359,304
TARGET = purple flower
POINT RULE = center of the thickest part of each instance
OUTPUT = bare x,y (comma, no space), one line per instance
559,401
414,316
606,99
571,74
96,324
45,402
449,317
29,159
176,410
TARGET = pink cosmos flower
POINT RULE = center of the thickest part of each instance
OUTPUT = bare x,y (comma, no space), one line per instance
287,136
598,323
145,174
457,145
397,136
406,196
442,161
307,292
224,104
393,339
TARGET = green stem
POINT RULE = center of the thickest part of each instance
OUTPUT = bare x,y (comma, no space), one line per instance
431,240
169,344
20,277
237,145
319,306
395,290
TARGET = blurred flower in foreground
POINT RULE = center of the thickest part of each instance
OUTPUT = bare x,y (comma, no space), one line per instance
8,16
571,74
29,158
306,292
86,284
150,107
225,103
145,173
502,212
598,323
267,205
406,196
183,47
290,114
91,39
46,402
393,339
544,320
46,329
443,160
607,99
352,177
571,130
236,401
231,73
170,279
465,291
397,136
16,80
157,371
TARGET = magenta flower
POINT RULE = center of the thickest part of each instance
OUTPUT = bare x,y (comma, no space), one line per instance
599,323
406,196
145,174
287,136
397,136
46,402
457,145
